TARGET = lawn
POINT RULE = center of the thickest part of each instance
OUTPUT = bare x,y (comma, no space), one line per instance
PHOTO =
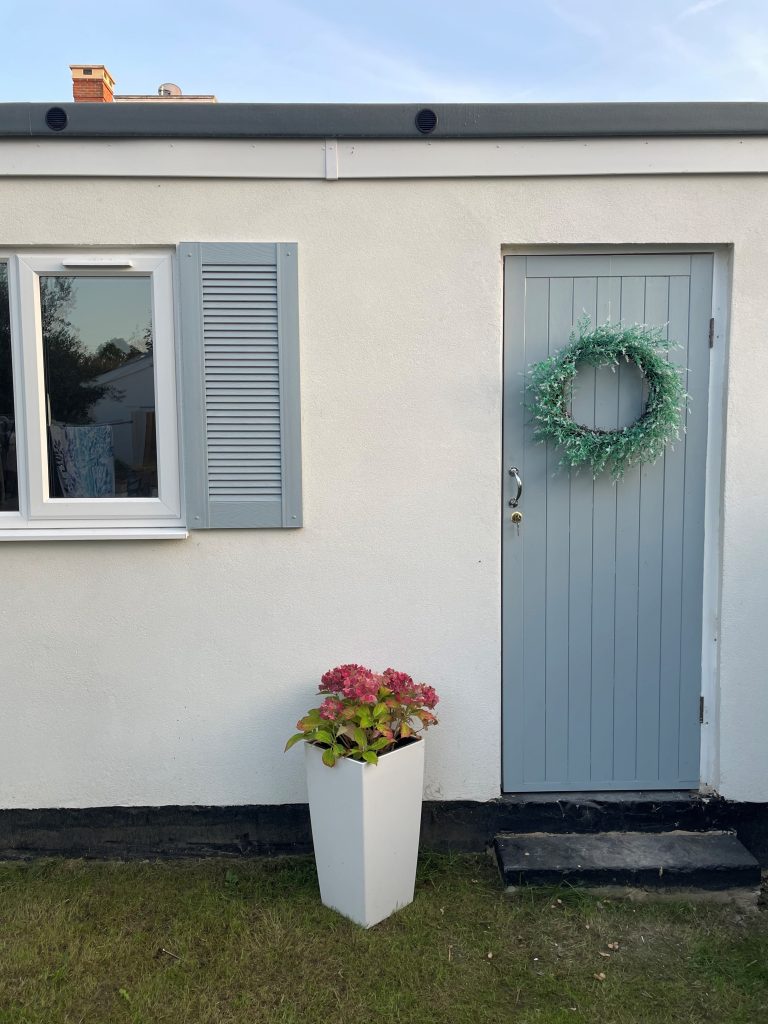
236,941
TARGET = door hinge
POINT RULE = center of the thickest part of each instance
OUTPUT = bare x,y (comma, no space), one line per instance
711,332
701,711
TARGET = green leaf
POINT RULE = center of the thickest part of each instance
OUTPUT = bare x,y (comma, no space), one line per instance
405,730
310,721
294,739
329,758
380,743
360,738
380,709
366,718
370,757
322,736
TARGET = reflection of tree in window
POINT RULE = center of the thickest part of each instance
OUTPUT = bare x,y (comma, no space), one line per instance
9,492
71,370
108,384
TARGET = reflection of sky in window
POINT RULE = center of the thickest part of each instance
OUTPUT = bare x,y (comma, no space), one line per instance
110,307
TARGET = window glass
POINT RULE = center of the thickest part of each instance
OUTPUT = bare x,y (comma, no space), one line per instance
9,490
100,386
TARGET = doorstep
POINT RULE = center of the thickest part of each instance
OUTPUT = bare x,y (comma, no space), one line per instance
713,861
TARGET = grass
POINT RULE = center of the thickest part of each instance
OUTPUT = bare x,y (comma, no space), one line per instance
230,942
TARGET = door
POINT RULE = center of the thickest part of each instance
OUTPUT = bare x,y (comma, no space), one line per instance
602,581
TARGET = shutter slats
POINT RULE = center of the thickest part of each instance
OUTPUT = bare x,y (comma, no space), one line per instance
235,385
240,373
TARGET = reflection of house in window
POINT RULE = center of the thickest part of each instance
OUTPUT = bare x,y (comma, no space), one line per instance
128,408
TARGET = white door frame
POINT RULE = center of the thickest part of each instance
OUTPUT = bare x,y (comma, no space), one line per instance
709,761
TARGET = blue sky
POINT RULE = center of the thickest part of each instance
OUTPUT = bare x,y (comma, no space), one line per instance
398,51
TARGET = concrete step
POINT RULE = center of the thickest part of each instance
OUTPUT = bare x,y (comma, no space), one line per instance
713,861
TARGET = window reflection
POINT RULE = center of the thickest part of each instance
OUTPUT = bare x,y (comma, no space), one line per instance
100,388
9,490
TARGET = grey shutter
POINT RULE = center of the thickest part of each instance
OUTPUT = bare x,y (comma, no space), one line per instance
240,384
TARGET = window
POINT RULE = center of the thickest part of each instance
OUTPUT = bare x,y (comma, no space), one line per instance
98,446
92,406
9,483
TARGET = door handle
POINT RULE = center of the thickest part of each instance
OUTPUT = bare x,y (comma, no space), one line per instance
514,501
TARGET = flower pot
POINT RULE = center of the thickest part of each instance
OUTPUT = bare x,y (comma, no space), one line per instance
365,827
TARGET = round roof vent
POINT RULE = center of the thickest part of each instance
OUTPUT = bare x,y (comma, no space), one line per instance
56,119
426,121
168,89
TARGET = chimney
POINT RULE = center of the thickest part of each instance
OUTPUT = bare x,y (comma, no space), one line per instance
91,83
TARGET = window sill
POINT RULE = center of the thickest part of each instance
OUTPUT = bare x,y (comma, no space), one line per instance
96,533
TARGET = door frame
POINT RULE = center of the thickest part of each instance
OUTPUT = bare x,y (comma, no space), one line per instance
709,759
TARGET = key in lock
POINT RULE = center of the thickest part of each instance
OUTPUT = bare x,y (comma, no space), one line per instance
517,518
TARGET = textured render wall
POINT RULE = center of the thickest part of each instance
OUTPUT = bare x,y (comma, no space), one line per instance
171,672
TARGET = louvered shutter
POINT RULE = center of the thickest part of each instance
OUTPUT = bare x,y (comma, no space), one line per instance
240,384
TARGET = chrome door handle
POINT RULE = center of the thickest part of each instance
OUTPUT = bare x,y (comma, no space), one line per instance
515,501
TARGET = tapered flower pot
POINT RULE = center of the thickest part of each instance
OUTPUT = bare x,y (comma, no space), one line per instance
365,828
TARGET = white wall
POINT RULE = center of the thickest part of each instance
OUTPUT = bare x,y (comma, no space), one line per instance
172,672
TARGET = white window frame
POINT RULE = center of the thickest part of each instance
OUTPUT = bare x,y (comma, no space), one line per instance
39,515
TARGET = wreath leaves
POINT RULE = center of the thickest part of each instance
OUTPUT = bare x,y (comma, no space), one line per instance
551,390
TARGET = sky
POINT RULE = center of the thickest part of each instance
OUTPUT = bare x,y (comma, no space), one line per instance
367,51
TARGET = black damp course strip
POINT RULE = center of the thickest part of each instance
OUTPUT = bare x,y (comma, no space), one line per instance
380,121
283,829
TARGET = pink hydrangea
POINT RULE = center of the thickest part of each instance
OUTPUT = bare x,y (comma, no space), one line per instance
407,692
354,682
404,711
330,708
398,682
337,679
429,697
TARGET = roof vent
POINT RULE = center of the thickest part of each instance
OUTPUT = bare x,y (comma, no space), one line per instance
56,119
426,121
168,89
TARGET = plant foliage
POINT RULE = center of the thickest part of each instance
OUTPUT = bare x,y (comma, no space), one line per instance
365,714
551,390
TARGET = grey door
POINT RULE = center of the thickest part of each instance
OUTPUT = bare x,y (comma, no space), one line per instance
602,583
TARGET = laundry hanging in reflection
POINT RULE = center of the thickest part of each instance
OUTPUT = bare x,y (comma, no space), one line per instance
84,457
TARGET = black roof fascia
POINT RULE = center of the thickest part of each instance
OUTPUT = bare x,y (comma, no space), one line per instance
384,121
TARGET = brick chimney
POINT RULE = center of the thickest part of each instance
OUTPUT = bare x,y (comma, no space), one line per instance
92,83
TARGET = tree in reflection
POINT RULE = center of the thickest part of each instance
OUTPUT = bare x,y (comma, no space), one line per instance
70,367
6,374
68,362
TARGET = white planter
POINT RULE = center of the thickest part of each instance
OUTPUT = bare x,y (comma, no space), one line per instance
365,828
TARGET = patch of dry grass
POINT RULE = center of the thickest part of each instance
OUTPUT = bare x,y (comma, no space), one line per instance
230,942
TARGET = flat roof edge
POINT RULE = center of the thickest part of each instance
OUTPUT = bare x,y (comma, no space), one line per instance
382,121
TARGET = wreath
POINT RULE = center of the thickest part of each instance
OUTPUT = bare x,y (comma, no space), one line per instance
551,388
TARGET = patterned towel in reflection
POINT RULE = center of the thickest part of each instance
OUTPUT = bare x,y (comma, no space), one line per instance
84,457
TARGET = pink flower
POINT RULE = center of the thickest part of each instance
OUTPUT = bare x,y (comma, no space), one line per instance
330,708
336,680
428,696
408,692
398,682
350,689
354,682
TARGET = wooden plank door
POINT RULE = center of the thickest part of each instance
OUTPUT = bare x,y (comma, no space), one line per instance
602,584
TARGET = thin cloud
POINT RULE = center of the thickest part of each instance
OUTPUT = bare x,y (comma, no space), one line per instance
581,24
699,8
324,52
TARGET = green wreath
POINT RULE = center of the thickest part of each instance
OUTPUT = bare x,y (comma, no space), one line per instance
551,388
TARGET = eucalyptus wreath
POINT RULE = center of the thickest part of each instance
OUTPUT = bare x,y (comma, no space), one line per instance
551,389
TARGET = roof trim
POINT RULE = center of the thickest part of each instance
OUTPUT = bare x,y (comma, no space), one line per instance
385,121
